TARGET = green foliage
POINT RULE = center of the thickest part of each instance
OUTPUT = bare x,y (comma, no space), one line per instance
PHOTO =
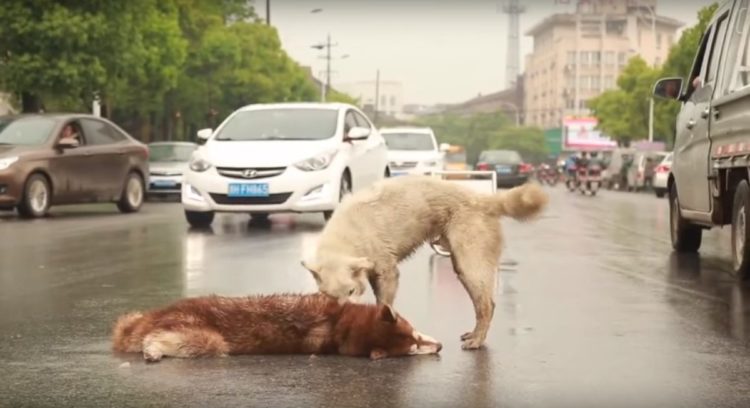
623,112
161,68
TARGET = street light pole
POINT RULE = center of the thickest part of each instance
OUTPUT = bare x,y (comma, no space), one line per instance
328,63
651,119
268,12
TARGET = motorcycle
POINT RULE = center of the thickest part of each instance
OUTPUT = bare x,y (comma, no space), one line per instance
571,180
548,174
589,179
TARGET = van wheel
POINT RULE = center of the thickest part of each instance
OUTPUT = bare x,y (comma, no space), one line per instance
685,236
345,188
740,230
36,197
132,195
199,219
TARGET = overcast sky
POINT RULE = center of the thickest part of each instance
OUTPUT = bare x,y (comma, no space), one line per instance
441,50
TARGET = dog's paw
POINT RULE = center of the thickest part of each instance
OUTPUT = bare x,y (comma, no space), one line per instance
467,336
151,356
471,344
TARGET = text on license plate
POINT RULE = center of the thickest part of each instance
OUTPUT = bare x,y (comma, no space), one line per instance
248,190
503,169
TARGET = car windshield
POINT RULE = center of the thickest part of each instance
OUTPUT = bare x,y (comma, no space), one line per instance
25,131
409,141
280,124
459,157
170,153
500,156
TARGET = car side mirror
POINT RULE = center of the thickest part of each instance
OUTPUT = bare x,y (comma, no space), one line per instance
205,134
668,88
357,133
68,143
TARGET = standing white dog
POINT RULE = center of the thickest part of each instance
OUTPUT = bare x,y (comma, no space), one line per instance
375,229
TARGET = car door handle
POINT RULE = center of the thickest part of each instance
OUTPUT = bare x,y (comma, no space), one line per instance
691,124
716,113
705,113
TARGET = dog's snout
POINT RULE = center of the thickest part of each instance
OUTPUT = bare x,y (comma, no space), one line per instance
438,347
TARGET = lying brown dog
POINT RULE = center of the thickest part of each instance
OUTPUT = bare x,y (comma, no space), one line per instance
274,324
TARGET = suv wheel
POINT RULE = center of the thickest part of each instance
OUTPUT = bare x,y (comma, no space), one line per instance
685,236
36,197
740,230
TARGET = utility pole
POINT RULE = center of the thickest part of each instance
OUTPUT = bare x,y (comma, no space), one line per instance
377,96
268,12
328,64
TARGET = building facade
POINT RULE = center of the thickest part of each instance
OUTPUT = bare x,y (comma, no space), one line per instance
389,94
578,56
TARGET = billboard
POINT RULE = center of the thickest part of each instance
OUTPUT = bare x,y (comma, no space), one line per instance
582,134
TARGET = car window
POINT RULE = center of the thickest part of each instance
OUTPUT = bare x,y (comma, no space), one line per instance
170,152
25,131
361,120
98,133
409,141
698,64
504,156
280,124
349,122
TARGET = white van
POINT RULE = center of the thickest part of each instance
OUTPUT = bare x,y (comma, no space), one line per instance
412,150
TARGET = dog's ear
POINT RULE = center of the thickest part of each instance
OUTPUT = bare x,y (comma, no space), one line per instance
312,267
387,314
362,265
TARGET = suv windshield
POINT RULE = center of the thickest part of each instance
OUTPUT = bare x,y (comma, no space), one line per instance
25,131
500,156
170,153
280,124
409,141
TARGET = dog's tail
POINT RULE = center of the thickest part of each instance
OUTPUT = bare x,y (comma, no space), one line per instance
521,203
125,336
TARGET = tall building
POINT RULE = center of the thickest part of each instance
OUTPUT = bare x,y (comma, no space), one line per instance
578,56
389,94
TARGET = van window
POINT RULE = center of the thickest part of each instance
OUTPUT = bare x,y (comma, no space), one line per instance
716,47
738,56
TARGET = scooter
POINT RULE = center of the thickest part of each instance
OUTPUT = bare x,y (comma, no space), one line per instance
571,180
589,179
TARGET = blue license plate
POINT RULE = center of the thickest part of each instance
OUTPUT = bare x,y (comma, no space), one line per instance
248,190
503,169
164,183
398,173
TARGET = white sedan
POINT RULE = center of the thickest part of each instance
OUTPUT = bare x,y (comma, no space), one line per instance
289,157
661,176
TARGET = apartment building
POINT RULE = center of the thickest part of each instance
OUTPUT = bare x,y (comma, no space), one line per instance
577,56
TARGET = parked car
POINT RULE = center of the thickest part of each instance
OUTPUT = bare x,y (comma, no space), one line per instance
708,185
508,165
412,150
58,159
661,176
168,162
287,157
641,173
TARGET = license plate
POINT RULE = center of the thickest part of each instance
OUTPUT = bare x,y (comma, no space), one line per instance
503,169
398,173
248,190
164,183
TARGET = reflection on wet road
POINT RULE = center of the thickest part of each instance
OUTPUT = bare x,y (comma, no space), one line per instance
593,309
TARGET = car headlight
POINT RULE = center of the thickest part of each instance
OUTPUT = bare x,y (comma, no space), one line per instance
6,162
199,165
318,162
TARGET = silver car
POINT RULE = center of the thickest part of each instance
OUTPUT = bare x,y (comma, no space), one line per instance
168,161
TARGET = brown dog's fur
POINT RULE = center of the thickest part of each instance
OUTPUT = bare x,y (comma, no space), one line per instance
274,324
374,229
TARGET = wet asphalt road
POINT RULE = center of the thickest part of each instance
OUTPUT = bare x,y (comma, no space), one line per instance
592,310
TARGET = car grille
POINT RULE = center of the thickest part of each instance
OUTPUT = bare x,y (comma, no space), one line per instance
278,198
403,165
250,172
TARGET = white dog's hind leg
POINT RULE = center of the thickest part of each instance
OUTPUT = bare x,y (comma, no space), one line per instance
475,258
